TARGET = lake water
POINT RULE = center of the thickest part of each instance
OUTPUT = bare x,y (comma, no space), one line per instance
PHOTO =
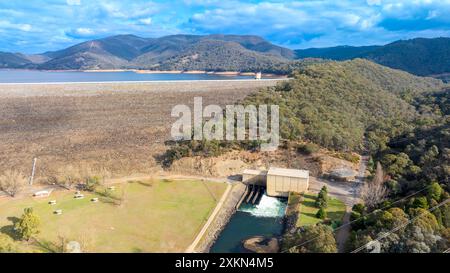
32,76
265,218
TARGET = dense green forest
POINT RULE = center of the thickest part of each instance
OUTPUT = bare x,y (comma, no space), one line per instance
418,56
409,210
417,169
405,123
335,104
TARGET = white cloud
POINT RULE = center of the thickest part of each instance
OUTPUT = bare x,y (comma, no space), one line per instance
127,10
374,2
290,23
146,21
84,31
8,25
24,27
73,2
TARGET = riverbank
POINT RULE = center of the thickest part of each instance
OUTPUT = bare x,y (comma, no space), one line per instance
221,219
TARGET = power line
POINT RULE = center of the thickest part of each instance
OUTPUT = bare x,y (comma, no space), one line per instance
386,234
353,221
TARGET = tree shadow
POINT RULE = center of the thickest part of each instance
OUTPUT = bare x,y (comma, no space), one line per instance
108,197
9,229
336,215
48,246
312,215
137,250
235,177
311,204
145,184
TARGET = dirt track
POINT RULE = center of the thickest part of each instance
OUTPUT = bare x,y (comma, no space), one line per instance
121,126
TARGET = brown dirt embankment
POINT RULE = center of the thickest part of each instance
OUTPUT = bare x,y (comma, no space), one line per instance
120,126
234,162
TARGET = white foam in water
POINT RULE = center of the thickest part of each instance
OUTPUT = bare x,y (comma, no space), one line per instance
267,207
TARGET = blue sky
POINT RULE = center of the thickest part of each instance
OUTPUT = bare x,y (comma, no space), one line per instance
34,26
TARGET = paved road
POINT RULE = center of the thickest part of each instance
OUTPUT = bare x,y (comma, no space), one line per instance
348,192
344,233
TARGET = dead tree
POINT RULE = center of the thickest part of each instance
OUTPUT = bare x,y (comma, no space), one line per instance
375,192
12,182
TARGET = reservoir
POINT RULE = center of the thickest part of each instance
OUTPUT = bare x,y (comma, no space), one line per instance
34,76
265,218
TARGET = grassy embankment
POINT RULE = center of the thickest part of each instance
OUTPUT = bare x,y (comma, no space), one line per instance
151,216
335,210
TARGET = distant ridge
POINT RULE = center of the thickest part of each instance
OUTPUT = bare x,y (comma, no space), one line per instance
219,52
176,52
418,56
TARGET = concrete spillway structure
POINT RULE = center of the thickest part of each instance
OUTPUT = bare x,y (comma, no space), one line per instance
251,195
255,198
252,191
278,181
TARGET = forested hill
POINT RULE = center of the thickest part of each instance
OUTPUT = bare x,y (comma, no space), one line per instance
333,104
174,52
418,56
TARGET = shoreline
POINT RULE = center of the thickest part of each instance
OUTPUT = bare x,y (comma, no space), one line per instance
219,222
145,71
140,82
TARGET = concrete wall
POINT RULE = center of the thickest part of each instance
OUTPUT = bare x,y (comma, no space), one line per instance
254,179
221,220
280,186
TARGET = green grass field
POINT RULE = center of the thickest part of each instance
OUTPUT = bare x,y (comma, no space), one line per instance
335,210
154,216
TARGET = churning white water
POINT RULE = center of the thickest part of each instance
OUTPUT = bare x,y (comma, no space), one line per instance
267,207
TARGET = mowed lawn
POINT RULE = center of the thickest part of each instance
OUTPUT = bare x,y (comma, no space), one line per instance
154,216
308,210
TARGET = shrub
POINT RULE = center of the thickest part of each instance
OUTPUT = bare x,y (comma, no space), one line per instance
322,198
92,183
435,191
420,202
28,224
359,208
321,214
358,220
6,244
349,157
308,148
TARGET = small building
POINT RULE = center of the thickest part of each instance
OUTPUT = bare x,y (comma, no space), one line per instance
281,181
278,181
258,75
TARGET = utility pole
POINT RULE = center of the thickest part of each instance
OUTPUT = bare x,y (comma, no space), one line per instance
33,170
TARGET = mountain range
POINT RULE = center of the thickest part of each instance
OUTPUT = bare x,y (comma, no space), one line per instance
418,56
227,53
